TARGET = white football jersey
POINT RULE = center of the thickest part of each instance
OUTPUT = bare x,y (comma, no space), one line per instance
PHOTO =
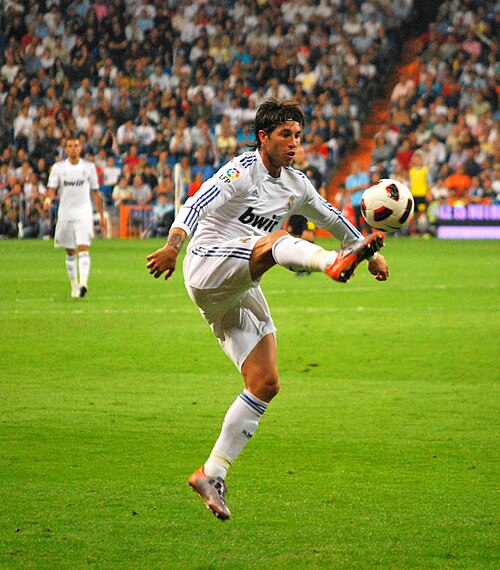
74,183
243,199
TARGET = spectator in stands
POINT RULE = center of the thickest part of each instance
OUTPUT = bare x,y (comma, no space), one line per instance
110,176
382,153
459,181
404,154
36,222
317,153
185,177
132,159
180,143
201,165
162,168
471,166
195,185
226,140
439,190
126,136
199,109
23,127
356,183
119,72
146,134
143,194
162,217
123,192
420,180
149,177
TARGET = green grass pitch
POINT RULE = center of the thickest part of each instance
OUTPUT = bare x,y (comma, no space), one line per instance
379,452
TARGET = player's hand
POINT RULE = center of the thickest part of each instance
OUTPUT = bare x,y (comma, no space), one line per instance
163,260
379,268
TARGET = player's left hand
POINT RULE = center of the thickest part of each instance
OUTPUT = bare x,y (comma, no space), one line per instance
379,268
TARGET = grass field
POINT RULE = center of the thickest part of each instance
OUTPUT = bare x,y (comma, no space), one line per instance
379,452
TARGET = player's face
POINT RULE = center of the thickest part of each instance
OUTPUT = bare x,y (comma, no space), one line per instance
278,148
73,149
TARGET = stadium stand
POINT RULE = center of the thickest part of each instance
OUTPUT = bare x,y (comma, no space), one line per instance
443,114
154,82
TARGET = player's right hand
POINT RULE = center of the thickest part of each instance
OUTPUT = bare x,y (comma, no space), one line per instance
163,260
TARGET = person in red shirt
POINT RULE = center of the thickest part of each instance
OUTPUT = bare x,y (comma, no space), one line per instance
404,154
195,184
132,159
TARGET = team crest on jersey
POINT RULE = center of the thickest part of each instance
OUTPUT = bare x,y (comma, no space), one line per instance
244,240
233,173
291,201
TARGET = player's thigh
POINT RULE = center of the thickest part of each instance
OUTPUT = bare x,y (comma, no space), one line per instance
238,319
261,361
65,234
220,266
84,232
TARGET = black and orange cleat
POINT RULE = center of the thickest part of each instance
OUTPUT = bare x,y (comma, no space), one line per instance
349,257
213,491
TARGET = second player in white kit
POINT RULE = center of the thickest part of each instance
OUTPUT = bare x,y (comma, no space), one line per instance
235,219
75,180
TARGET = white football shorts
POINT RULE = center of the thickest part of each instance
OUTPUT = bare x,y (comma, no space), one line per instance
218,280
70,233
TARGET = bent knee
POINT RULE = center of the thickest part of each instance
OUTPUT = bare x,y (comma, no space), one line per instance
265,387
276,235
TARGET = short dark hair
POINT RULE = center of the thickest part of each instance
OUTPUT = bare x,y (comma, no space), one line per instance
274,112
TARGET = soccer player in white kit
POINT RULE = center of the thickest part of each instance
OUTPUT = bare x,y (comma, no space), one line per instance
74,179
235,219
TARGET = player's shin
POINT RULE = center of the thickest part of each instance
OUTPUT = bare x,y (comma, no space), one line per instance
298,254
84,267
72,270
239,425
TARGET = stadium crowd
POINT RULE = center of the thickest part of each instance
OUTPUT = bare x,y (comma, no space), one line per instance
148,84
442,134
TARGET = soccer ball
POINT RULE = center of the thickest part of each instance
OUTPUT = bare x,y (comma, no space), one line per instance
387,206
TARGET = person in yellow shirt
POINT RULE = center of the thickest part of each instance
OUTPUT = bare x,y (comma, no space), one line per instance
420,181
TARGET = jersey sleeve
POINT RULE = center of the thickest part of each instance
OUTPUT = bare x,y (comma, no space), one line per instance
324,215
229,181
53,181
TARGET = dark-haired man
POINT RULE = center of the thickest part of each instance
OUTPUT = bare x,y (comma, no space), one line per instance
238,214
74,179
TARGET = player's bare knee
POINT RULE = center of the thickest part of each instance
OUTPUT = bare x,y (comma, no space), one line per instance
275,236
272,388
264,386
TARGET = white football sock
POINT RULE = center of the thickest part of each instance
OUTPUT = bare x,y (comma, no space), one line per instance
298,254
84,267
239,425
72,269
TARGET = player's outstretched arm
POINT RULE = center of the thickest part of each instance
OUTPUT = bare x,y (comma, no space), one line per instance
379,268
164,260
